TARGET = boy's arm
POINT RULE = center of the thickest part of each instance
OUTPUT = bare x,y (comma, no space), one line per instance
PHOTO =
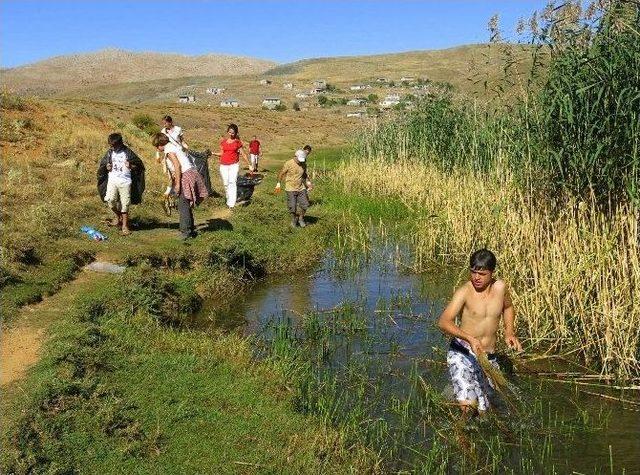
177,174
282,173
447,320
509,315
182,142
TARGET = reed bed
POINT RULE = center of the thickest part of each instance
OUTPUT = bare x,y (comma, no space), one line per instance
574,273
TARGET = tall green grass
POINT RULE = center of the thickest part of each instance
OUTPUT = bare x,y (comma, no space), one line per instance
572,131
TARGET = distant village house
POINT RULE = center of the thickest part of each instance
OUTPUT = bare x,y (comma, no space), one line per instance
382,80
265,82
360,87
356,102
288,85
390,101
184,98
302,95
215,90
271,102
230,103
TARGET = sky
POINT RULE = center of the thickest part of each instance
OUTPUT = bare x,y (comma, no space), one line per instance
282,31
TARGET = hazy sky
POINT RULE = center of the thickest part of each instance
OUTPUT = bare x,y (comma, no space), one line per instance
283,31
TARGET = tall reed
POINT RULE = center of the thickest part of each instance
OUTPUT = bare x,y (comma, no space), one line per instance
549,178
575,273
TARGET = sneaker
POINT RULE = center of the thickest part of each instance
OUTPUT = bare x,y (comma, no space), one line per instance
301,222
294,222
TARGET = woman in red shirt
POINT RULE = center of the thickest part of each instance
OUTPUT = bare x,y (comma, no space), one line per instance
230,151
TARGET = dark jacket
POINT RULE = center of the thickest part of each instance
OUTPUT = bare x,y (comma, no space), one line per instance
137,175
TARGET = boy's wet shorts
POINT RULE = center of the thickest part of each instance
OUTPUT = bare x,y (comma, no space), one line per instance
470,384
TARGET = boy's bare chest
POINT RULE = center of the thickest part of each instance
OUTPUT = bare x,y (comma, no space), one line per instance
482,307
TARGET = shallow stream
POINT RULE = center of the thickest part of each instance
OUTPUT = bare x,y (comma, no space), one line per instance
382,318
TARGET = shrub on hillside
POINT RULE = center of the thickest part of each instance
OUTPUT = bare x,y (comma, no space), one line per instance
10,101
145,123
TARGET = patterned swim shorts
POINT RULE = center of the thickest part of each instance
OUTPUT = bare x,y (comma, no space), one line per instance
470,384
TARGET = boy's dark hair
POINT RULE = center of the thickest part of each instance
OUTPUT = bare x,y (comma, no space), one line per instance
307,148
160,139
167,118
483,259
115,140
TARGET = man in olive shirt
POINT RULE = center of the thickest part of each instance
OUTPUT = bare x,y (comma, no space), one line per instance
296,184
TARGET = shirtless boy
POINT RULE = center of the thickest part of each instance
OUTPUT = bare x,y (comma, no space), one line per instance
481,302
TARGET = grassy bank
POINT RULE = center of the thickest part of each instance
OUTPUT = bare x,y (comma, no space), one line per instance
124,385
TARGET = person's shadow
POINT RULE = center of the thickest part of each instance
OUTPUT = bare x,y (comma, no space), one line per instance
146,224
216,224
311,219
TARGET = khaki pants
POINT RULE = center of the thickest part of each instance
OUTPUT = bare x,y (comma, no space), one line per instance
118,196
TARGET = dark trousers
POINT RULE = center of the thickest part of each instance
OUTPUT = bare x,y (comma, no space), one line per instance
297,200
186,215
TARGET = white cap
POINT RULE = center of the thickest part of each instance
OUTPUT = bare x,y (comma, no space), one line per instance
301,155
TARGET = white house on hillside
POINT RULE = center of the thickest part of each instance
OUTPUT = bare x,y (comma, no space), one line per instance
230,103
356,102
390,101
215,90
288,85
271,102
265,82
302,95
184,98
407,79
360,87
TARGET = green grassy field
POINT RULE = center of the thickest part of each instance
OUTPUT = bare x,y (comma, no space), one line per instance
121,384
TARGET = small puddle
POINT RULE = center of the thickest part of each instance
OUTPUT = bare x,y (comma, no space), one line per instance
387,316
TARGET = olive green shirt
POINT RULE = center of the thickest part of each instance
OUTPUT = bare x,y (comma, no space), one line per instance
295,175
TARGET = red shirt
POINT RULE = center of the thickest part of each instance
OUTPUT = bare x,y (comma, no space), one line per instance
254,147
230,151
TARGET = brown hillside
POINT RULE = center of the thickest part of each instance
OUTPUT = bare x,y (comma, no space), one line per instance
114,66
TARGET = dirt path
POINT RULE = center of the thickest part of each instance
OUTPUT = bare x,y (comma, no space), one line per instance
21,343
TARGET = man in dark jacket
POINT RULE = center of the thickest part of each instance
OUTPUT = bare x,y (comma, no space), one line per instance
120,180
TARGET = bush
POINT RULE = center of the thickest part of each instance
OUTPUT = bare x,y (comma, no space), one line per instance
145,123
10,101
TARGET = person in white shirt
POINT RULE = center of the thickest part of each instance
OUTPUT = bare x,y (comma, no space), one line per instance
119,164
174,133
187,184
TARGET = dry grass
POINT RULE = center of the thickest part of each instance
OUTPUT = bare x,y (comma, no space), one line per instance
575,273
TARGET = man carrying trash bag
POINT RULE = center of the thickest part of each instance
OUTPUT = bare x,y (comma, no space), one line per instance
120,181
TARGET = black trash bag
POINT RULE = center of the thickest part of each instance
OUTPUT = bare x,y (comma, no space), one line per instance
201,162
245,186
